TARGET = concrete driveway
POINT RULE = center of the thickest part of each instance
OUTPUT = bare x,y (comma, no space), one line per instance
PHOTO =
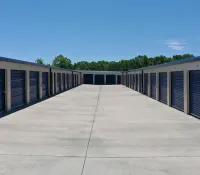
99,130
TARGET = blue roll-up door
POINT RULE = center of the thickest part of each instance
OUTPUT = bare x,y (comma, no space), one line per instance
136,82
127,80
67,81
58,82
146,84
44,84
141,83
194,93
153,85
34,85
75,80
55,90
163,87
177,90
17,88
63,81
2,90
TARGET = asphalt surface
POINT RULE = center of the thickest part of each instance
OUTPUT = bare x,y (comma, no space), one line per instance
99,130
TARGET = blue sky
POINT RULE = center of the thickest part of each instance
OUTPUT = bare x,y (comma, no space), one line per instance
95,30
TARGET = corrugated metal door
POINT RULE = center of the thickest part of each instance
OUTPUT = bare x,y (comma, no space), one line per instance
63,81
153,85
163,87
55,90
75,80
136,83
34,85
58,82
67,81
126,79
133,81
141,83
45,84
177,90
2,90
195,93
17,88
146,84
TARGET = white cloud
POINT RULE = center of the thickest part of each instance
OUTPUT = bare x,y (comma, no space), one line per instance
175,44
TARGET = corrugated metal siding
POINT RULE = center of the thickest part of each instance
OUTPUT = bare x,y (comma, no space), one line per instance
177,90
136,82
17,88
2,90
146,84
44,84
195,93
153,85
34,85
163,87
58,82
63,81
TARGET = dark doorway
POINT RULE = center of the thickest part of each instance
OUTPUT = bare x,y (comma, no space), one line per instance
110,79
99,79
88,78
118,79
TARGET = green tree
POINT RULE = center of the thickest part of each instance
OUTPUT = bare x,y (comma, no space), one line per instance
39,61
62,62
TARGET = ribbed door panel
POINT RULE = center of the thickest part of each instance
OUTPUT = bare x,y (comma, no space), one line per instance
58,82
177,90
146,84
63,81
34,85
17,88
133,81
153,85
55,90
2,90
136,83
195,93
141,83
44,84
163,87
67,81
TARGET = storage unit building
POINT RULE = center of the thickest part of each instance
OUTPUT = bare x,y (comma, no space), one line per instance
19,83
61,79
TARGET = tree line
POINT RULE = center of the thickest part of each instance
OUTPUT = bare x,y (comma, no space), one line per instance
122,65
